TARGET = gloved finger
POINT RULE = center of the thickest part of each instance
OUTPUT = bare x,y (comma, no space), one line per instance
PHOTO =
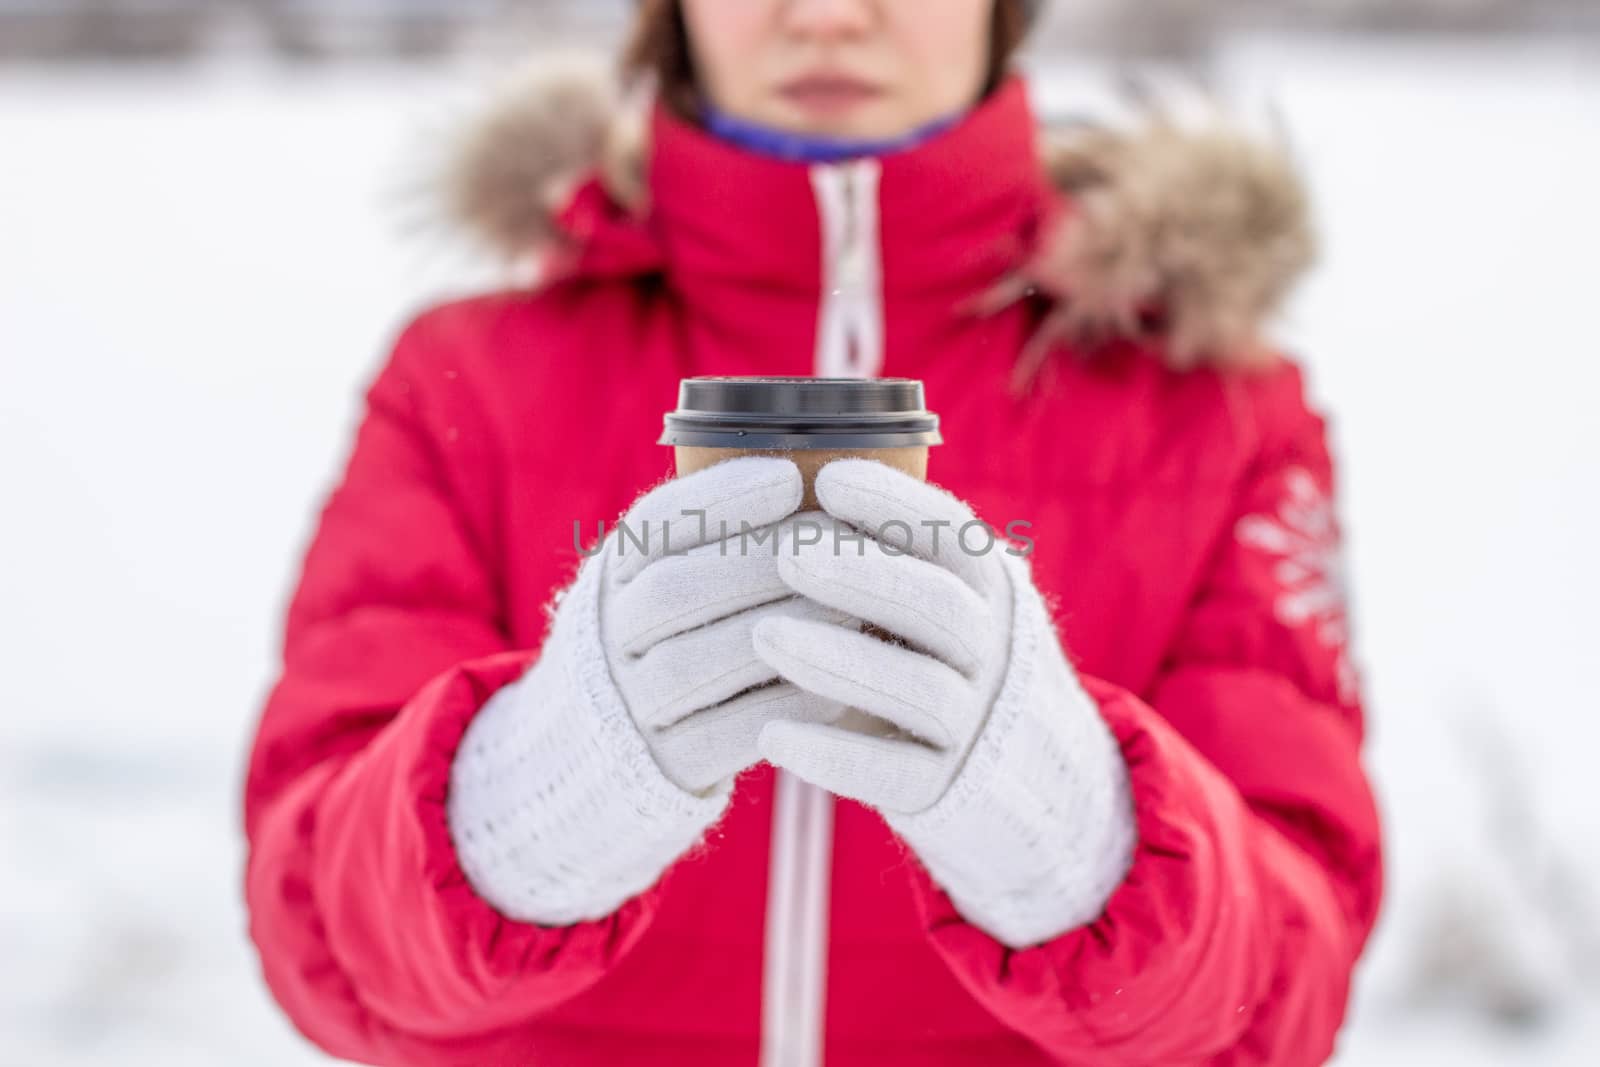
813,527
920,601
701,507
710,745
708,665
678,593
917,693
909,516
898,776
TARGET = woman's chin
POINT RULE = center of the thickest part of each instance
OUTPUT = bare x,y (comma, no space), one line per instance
864,121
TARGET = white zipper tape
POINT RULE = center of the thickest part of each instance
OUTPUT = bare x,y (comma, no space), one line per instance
794,970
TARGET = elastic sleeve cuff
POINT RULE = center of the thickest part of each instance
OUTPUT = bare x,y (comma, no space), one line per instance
1038,829
558,811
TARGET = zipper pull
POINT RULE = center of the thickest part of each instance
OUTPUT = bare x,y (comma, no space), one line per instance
851,270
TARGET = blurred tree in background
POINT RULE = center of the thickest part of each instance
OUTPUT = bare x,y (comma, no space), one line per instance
46,30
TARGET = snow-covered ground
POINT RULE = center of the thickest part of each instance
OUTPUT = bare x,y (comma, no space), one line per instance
199,269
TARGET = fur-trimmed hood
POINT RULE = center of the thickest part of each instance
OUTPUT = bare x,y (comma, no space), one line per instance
1195,230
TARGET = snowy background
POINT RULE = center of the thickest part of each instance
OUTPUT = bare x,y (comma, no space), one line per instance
201,265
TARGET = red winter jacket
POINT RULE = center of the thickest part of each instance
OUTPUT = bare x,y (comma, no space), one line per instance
1184,529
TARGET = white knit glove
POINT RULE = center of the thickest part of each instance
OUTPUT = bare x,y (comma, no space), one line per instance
576,786
977,744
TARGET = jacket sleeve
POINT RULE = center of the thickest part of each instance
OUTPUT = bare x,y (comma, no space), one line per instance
1257,873
369,934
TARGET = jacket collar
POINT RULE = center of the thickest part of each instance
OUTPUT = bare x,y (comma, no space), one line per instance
754,245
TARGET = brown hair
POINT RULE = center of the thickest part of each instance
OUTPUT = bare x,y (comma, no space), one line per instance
658,48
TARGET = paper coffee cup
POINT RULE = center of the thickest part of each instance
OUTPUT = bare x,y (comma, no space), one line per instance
808,420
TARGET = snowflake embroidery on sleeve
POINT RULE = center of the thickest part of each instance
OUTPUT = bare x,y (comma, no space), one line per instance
1312,585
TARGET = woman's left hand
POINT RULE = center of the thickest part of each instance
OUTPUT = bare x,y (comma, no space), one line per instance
971,734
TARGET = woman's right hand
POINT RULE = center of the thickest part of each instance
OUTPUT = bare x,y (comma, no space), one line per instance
578,784
687,574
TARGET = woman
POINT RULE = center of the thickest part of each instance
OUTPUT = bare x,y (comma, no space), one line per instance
511,804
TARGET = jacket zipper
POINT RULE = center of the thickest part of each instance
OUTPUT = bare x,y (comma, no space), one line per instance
799,873
794,980
850,322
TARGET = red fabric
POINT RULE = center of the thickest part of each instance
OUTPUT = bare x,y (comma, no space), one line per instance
500,421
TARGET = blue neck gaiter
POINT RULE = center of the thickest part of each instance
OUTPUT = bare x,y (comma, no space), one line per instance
808,147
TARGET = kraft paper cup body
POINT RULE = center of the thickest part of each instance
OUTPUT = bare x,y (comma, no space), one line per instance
913,460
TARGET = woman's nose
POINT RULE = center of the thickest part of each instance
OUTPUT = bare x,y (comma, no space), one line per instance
829,18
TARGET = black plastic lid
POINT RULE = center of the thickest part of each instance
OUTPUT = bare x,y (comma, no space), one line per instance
800,413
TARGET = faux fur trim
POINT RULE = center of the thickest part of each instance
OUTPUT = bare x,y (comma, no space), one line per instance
1202,223
1194,231
549,125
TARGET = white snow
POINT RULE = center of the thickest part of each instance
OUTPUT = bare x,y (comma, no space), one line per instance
199,268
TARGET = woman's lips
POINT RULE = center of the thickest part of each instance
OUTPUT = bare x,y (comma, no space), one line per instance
827,94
